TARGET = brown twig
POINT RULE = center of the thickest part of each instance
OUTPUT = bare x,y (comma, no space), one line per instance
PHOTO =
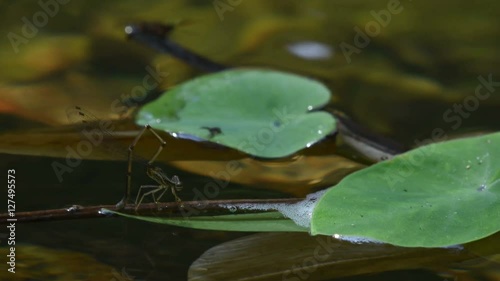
150,209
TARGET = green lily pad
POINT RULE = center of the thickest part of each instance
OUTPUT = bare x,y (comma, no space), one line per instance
439,195
261,112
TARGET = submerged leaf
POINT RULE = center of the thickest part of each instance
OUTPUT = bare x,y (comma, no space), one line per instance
299,176
269,221
437,195
300,255
260,112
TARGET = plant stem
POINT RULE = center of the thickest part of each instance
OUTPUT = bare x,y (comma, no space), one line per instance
150,209
155,35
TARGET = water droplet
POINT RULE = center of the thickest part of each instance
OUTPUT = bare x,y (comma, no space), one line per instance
320,132
129,29
481,187
232,209
479,160
467,167
309,107
105,212
74,208
158,120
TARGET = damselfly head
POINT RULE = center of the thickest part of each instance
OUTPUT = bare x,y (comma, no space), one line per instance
177,183
157,174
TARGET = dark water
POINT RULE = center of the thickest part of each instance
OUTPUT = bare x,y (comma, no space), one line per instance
417,74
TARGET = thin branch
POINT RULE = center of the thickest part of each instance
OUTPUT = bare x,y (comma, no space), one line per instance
155,35
151,209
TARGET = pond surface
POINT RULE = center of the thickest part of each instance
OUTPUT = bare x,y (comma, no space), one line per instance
407,70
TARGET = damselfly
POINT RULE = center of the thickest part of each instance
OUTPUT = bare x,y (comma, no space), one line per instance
93,124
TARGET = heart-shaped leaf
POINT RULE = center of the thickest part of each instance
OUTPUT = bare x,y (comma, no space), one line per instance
261,112
437,195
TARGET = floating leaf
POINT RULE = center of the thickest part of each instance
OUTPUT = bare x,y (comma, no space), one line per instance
437,195
261,112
